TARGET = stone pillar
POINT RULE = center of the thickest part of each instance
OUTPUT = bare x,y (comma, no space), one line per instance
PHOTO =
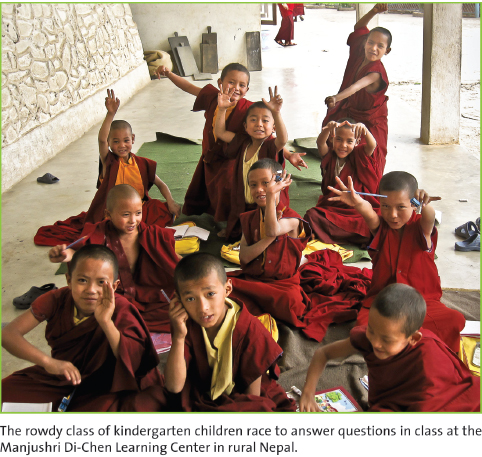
442,54
362,9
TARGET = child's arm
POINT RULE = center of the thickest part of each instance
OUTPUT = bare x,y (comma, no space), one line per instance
428,215
273,225
275,103
320,358
174,208
295,158
175,370
378,8
352,199
103,314
182,83
362,131
14,342
248,253
371,81
327,131
224,102
112,104
58,254
254,388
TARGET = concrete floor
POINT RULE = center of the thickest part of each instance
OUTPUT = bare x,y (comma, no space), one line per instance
305,75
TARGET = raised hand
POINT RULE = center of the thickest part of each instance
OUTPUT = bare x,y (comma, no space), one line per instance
332,126
296,160
105,304
275,186
162,71
380,8
224,97
275,101
422,197
360,130
178,317
330,101
57,254
346,194
63,368
111,102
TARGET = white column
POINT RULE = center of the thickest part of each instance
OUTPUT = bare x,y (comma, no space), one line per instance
362,9
442,54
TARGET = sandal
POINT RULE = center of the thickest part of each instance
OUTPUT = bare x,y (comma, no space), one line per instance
467,230
48,178
25,300
470,244
291,44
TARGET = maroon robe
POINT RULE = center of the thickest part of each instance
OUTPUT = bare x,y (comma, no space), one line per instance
154,270
362,106
287,28
298,9
235,150
254,354
335,291
272,287
210,187
154,212
105,379
425,377
406,259
336,222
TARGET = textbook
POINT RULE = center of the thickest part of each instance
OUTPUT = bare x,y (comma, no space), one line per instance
27,407
162,342
184,231
335,400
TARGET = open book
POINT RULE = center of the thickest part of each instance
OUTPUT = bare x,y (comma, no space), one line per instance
184,231
336,400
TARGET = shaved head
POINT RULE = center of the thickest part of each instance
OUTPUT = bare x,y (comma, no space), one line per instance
120,125
121,192
397,181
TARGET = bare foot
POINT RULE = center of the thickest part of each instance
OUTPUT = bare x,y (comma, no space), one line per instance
222,233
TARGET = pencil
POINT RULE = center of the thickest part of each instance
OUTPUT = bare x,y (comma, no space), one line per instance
74,243
369,195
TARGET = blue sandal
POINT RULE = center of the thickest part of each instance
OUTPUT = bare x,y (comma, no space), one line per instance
467,230
470,244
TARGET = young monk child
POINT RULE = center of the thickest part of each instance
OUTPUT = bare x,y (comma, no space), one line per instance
210,188
335,222
255,143
101,348
146,255
222,358
362,92
403,249
409,368
273,240
118,166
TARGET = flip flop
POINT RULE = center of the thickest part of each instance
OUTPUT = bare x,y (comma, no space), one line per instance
280,43
291,44
48,178
470,244
25,300
477,223
467,230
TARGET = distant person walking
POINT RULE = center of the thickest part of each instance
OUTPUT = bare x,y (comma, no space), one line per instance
286,31
298,10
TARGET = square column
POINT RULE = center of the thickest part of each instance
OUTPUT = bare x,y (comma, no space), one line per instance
362,9
441,77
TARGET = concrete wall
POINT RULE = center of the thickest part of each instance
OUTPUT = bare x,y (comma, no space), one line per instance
57,59
157,22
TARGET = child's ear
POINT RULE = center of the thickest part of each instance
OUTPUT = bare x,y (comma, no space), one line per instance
388,51
107,214
245,125
115,284
69,280
415,337
220,83
228,287
133,138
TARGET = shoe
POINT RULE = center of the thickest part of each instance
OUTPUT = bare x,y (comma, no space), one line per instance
470,244
25,300
467,230
48,178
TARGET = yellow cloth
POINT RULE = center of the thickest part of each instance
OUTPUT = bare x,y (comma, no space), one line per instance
317,245
228,112
129,174
220,353
466,353
187,245
270,325
231,252
246,166
78,321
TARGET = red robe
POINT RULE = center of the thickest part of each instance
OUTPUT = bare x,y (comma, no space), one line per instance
298,9
210,188
287,28
154,212
407,260
154,269
362,106
335,222
254,354
105,379
235,150
425,377
274,287
335,291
